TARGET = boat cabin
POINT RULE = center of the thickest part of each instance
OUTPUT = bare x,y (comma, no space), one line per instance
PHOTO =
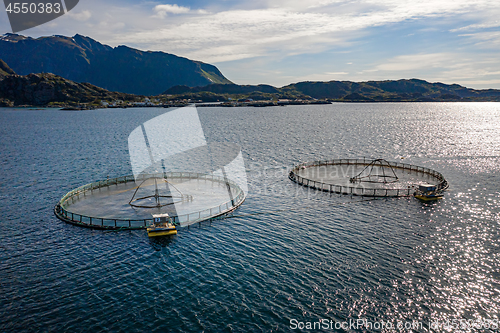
161,219
425,188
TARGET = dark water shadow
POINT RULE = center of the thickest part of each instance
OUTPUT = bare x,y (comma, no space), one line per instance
158,243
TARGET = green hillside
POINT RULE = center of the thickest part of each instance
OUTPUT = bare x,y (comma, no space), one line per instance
5,69
49,89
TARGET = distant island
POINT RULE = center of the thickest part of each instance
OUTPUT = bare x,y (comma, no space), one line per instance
80,73
413,90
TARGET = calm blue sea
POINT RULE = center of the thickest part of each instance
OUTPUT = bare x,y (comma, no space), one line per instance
309,256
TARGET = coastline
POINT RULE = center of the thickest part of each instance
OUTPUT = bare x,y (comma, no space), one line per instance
230,104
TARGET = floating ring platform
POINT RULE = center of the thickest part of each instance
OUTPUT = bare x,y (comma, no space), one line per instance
109,204
366,177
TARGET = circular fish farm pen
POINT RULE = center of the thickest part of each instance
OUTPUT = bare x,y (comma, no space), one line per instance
366,177
128,202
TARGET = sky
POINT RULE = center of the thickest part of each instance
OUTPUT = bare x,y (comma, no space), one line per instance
286,41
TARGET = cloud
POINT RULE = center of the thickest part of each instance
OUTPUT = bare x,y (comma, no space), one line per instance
162,10
286,32
238,34
417,61
264,27
465,68
287,26
81,16
477,26
486,39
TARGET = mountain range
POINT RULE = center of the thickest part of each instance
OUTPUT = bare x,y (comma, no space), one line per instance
123,69
78,69
413,90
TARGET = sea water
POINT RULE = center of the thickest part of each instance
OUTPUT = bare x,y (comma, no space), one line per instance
289,258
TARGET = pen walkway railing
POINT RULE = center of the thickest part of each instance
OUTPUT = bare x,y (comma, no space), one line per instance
62,211
441,185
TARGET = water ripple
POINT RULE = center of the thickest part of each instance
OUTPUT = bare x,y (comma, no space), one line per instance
313,255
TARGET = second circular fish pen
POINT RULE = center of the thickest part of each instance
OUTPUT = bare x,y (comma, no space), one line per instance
366,177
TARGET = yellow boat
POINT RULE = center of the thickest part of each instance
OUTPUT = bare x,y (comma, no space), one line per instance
428,192
429,197
162,226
